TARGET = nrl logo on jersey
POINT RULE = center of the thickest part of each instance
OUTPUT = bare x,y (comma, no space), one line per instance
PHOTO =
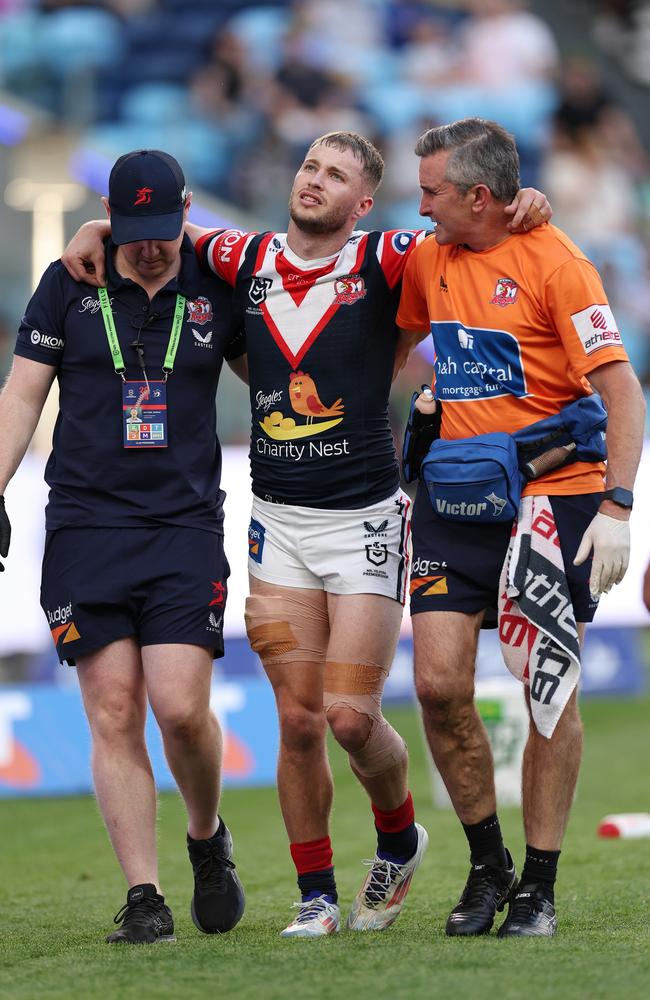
259,290
200,311
349,289
505,293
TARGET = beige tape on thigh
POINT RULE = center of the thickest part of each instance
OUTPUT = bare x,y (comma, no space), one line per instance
359,686
287,629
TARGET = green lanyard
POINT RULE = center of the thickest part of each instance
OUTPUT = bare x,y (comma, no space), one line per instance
114,344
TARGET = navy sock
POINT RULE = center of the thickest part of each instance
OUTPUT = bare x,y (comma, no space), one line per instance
540,867
397,847
486,843
312,884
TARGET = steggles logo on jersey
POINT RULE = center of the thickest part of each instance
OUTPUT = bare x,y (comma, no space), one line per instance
91,305
505,293
264,401
259,290
349,289
199,311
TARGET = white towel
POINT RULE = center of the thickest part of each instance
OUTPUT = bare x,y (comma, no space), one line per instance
537,626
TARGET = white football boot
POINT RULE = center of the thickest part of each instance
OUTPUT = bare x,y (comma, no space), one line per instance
315,918
379,901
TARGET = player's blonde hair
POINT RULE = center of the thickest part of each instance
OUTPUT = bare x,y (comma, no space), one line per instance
482,152
361,148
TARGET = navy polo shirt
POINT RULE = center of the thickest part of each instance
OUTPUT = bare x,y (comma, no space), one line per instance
94,481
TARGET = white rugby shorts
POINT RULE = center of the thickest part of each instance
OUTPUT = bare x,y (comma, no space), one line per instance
364,551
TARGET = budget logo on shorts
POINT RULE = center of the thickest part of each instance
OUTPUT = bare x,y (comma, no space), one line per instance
256,532
377,553
428,586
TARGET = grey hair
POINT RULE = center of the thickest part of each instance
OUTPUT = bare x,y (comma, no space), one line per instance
482,152
361,148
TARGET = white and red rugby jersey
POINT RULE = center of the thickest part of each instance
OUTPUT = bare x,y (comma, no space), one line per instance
321,339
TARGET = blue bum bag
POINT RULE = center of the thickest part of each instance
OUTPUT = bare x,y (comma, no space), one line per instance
582,423
480,479
474,479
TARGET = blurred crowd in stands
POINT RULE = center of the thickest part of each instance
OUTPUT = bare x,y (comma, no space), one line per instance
236,90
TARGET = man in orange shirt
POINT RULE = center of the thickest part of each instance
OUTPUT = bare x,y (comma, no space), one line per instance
521,328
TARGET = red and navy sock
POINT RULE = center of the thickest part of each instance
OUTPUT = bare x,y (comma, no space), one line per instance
486,843
540,868
313,861
397,837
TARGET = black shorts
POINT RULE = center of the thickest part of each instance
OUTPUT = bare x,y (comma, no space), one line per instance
456,566
161,585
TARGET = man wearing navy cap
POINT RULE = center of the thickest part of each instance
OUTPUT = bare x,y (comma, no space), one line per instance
135,576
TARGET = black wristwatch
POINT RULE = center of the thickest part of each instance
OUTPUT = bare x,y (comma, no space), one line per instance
620,496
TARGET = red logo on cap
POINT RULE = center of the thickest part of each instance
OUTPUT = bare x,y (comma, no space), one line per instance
143,196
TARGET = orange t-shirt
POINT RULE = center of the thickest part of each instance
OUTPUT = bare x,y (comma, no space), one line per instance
516,329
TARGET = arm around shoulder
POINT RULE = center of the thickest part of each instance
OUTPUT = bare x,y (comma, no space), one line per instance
84,256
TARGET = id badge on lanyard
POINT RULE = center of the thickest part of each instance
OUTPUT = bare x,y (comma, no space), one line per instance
144,403
144,414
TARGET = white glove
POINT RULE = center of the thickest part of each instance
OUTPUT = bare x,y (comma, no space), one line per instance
610,540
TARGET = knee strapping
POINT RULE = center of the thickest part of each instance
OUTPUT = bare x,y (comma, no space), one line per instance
287,629
359,686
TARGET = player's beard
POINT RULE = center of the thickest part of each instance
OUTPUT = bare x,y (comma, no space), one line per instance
329,222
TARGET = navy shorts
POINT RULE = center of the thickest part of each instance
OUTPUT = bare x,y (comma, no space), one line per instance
160,585
456,566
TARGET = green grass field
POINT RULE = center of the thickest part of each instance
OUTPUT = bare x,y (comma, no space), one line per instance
60,887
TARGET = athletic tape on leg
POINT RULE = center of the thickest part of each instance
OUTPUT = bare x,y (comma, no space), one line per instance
287,629
359,686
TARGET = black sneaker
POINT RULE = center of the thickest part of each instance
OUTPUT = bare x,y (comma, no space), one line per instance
144,917
218,901
531,914
487,890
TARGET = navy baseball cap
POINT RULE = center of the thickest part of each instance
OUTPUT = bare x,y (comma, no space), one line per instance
146,194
